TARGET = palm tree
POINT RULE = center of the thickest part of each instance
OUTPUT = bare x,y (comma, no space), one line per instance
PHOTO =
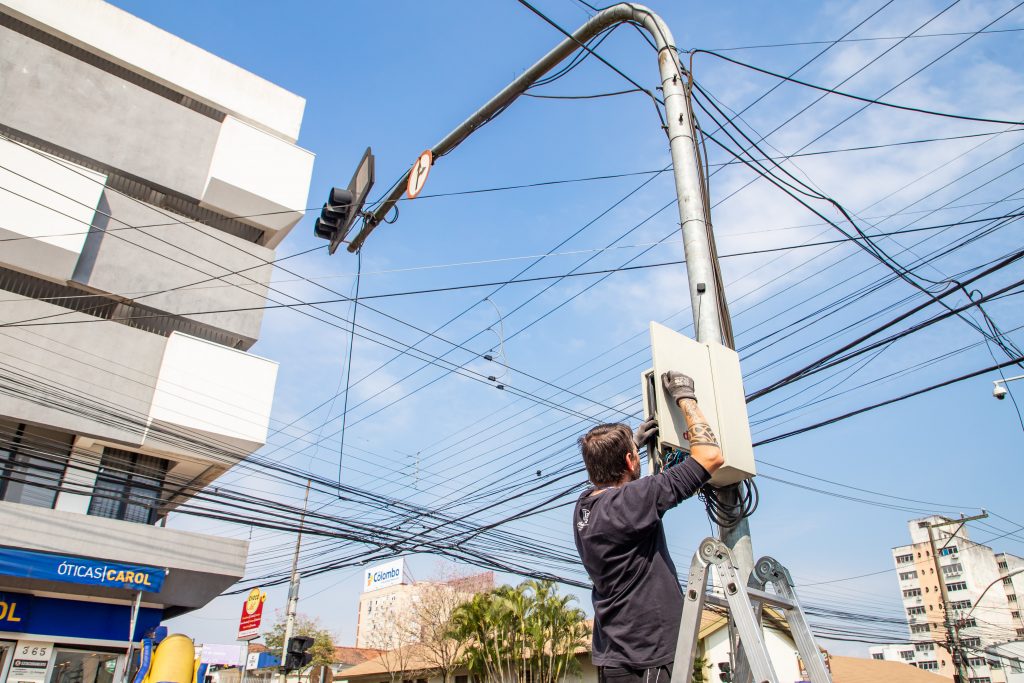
527,634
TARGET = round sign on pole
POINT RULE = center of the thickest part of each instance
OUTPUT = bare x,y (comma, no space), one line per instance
418,174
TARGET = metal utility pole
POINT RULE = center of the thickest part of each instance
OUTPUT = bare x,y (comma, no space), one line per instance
952,633
293,589
711,320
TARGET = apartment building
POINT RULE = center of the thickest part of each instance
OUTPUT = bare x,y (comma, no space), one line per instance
391,600
144,186
981,590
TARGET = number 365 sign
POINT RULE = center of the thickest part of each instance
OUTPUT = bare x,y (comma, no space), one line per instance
31,659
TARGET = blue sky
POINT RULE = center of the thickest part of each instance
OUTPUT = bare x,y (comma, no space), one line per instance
399,75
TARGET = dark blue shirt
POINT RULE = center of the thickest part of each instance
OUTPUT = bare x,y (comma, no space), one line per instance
621,540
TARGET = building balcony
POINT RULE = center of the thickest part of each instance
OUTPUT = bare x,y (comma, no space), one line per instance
196,568
164,116
177,397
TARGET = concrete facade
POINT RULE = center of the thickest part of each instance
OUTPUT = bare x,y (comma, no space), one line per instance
981,605
144,186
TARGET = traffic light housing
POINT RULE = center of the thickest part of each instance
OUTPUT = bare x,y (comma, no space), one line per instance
336,215
296,655
345,205
725,672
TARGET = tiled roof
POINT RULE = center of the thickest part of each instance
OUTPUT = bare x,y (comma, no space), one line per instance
856,670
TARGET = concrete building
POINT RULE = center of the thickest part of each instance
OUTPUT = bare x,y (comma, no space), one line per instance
144,185
388,607
982,601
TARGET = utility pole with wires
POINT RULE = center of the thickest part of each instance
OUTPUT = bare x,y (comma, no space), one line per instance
732,552
707,298
293,588
953,644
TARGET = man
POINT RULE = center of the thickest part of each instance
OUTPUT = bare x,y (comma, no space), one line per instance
621,540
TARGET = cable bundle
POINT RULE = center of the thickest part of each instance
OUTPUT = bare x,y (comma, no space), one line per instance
724,514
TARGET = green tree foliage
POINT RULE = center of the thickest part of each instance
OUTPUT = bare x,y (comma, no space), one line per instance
323,640
527,633
699,665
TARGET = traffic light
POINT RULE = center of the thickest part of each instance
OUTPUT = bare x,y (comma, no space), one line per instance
725,672
336,215
344,205
296,655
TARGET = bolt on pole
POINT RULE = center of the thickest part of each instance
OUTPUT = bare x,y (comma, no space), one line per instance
705,297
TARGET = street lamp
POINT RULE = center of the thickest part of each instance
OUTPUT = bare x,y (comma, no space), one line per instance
998,390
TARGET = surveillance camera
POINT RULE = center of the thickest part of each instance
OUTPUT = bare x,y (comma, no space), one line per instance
999,392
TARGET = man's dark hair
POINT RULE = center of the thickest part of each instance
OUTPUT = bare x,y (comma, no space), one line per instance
604,448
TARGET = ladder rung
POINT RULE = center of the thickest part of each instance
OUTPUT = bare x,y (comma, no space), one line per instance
760,596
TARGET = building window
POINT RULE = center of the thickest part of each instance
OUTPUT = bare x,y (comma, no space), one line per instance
128,486
969,623
1015,615
919,628
928,666
912,593
957,586
1007,580
955,568
1020,633
924,647
877,655
948,550
970,642
960,604
32,463
975,661
907,654
902,559
1003,564
907,575
915,610
980,679
1011,597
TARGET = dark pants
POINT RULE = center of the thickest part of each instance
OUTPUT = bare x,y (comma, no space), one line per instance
621,674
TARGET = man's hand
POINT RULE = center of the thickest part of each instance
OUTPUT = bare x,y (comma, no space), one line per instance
678,386
645,432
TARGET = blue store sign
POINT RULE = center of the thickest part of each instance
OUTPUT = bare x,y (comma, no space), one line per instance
32,565
14,611
57,618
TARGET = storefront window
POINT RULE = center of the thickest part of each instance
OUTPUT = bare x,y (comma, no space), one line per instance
79,666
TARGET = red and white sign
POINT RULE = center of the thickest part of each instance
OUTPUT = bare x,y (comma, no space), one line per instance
252,615
418,174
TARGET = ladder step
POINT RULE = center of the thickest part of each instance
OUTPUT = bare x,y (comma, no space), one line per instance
758,595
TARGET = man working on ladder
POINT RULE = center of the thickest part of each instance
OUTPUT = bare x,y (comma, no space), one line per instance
621,540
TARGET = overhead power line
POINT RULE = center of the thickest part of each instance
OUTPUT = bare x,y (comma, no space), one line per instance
859,98
866,39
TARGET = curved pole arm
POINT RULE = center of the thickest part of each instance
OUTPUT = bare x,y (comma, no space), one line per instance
616,14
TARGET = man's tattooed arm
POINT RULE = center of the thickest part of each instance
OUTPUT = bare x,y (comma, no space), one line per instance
704,446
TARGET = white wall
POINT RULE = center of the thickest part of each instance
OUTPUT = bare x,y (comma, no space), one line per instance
213,389
59,217
253,172
145,49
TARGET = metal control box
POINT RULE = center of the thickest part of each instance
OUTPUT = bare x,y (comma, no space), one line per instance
715,370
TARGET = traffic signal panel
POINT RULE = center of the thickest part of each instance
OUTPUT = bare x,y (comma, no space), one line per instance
296,654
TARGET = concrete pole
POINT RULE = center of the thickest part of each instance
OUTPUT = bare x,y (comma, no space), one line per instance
293,590
956,651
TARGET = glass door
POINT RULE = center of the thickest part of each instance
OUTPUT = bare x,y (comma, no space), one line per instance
6,648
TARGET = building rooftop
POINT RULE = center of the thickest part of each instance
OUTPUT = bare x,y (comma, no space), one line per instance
857,670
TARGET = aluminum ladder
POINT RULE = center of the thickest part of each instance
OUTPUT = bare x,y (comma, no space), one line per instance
745,604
